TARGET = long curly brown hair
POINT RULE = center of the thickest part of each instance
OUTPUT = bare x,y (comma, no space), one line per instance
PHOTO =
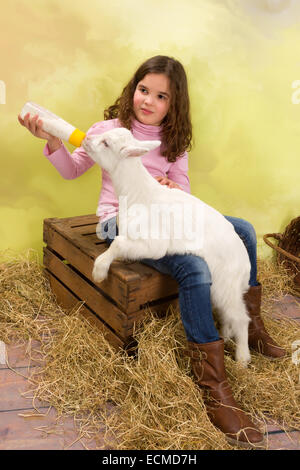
176,133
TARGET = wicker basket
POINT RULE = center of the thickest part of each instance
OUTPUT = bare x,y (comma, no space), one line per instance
288,249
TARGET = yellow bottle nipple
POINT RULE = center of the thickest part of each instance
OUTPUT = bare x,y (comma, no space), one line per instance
76,137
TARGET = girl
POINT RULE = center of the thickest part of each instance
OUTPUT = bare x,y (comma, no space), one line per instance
155,105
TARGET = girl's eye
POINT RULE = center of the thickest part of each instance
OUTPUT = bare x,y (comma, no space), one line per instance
162,97
105,143
143,90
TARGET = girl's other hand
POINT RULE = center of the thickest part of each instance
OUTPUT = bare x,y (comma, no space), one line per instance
166,181
34,125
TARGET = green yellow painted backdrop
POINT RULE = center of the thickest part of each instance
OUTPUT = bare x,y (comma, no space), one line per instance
242,58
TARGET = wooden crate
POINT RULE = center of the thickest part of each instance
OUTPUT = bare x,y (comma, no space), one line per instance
116,304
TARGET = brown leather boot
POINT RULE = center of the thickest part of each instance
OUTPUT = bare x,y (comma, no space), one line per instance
259,339
207,362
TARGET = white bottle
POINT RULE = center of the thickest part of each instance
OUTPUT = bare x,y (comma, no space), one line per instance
53,124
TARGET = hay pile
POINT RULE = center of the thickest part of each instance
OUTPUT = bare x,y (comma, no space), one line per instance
148,402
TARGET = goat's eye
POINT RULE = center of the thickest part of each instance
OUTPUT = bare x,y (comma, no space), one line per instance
105,143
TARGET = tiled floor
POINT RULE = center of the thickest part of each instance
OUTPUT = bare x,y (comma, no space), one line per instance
21,425
24,427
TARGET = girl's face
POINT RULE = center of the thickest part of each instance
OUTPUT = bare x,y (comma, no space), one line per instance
151,99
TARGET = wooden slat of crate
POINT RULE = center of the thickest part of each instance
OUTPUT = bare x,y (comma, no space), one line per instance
129,285
93,297
73,251
68,300
118,303
122,323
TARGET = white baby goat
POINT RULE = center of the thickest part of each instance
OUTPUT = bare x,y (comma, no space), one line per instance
219,244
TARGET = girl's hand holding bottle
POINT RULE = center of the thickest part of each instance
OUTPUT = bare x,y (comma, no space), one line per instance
51,127
34,125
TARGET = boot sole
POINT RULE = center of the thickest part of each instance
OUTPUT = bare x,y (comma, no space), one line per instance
247,445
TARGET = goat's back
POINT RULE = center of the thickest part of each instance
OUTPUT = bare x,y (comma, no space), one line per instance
217,241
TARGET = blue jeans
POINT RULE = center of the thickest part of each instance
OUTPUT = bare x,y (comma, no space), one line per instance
194,279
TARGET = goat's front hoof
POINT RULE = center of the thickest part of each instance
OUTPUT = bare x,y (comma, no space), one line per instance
99,273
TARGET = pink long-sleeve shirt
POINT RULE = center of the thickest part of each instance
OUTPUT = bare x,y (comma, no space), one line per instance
70,166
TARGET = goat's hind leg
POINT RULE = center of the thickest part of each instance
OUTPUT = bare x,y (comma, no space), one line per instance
235,322
239,327
226,331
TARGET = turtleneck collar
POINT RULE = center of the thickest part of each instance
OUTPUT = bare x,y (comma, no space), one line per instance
146,129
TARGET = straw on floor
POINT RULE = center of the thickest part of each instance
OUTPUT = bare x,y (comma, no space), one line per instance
148,401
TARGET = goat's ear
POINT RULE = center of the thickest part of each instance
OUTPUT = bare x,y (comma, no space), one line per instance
151,144
141,148
132,151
